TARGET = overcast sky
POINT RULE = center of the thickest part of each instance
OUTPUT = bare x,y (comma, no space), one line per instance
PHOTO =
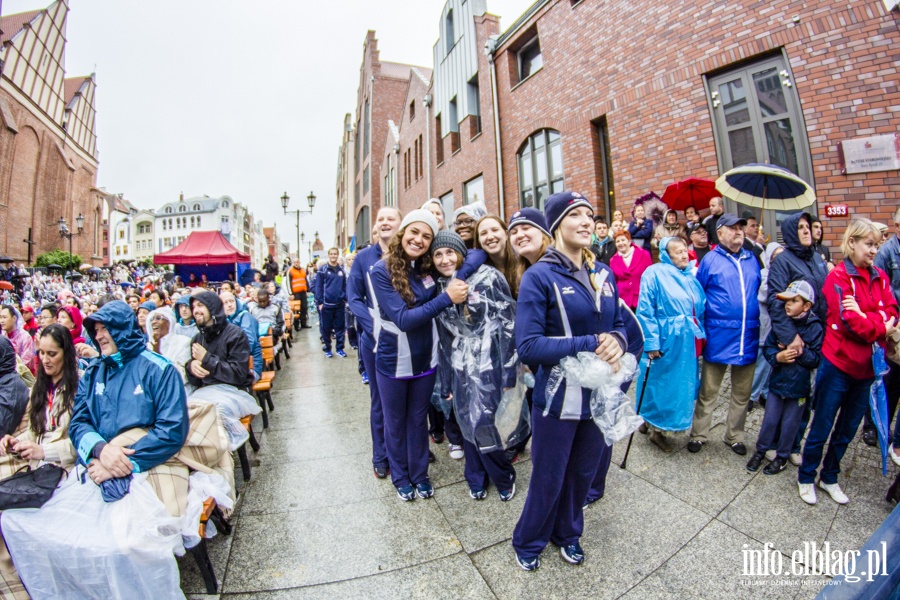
239,98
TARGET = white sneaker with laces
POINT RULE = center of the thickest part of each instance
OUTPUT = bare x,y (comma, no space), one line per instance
796,459
834,490
894,457
807,492
456,452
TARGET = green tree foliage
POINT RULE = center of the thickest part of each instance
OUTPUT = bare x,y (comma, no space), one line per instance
58,257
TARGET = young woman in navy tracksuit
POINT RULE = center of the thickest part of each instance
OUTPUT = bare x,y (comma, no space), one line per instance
406,302
567,304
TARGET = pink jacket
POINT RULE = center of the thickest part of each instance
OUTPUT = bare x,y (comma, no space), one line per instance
628,278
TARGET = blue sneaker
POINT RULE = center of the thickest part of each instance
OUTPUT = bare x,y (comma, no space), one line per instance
572,553
328,354
478,493
406,493
424,490
342,354
365,379
508,494
529,564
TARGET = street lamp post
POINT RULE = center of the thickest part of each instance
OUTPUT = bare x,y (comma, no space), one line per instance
311,200
65,233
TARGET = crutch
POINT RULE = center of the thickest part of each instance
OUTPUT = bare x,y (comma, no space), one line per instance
640,401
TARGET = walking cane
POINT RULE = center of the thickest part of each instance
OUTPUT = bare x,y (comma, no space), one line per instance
640,401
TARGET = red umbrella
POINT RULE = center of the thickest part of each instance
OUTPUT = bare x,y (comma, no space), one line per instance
5,285
690,192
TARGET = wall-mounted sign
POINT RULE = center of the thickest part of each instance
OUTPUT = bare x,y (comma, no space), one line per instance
868,154
837,210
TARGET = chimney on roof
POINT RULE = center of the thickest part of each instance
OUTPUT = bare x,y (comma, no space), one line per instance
181,197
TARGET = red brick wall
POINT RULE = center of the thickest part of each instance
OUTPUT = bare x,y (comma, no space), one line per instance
412,197
475,156
641,65
38,185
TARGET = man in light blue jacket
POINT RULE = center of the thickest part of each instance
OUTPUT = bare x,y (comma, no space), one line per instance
730,277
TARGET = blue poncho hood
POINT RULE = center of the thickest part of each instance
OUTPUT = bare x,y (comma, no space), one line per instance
123,326
665,259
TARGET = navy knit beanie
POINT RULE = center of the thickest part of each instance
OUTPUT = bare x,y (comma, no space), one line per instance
559,205
531,216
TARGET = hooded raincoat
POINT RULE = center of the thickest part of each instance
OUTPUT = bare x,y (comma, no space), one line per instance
188,330
22,343
671,311
13,391
248,323
795,263
76,332
174,346
478,356
227,350
132,388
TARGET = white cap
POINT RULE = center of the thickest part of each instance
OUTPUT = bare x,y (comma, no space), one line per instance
420,215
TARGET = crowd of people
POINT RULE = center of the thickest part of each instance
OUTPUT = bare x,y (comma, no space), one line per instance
464,328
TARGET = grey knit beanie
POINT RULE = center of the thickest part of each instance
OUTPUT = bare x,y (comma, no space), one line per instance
449,239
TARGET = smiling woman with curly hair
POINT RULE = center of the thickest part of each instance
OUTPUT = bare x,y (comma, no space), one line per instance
406,302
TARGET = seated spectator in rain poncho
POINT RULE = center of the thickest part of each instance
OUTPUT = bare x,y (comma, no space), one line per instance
264,311
278,297
13,391
11,323
219,368
184,318
163,340
237,313
671,309
70,318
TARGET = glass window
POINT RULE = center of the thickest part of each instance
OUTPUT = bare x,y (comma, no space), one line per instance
530,59
449,33
474,190
447,203
540,168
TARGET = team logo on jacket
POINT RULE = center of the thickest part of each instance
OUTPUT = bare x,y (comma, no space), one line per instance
568,290
99,388
138,390
607,289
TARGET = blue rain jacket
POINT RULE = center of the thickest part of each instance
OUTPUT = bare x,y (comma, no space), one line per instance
557,316
792,380
359,290
243,319
133,388
671,310
731,282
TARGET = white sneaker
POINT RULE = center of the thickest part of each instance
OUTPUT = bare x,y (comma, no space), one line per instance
456,452
834,490
894,457
770,454
796,459
807,492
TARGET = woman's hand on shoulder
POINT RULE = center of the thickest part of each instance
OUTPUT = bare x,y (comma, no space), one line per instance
458,290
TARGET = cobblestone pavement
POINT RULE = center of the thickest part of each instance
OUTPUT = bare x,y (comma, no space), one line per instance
314,523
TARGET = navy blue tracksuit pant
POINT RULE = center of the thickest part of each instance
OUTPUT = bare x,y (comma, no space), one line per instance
598,486
405,403
564,455
333,320
482,467
376,414
780,424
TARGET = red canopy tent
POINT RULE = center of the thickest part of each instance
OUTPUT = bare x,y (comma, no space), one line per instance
205,252
202,248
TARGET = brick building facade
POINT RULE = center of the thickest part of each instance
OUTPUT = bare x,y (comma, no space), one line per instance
616,99
48,144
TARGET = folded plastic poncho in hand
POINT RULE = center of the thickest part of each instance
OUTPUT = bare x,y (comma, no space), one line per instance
610,407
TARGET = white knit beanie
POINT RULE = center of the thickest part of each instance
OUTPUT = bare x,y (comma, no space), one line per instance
420,215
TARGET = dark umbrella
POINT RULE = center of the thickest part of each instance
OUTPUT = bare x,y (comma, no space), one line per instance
5,259
95,271
76,276
54,267
690,192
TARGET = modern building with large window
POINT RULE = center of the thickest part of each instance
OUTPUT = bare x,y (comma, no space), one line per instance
619,99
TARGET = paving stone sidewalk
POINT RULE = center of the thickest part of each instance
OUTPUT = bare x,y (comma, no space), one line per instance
314,523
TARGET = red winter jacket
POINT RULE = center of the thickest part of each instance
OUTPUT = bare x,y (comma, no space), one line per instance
848,335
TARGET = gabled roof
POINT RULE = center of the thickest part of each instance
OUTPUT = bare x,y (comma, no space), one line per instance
398,70
13,24
423,74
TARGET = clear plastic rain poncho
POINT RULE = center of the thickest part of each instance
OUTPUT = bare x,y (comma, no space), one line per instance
610,408
231,404
480,367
